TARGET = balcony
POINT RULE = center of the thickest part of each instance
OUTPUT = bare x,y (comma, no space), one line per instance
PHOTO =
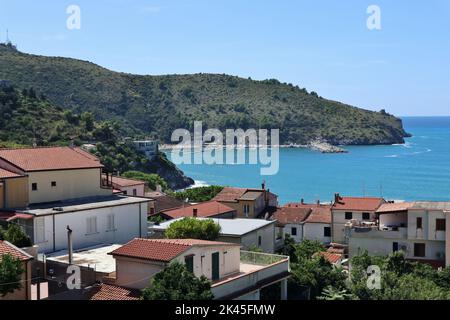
257,270
376,232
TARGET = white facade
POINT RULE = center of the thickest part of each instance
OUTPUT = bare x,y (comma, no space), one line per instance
339,220
317,232
149,147
90,227
417,232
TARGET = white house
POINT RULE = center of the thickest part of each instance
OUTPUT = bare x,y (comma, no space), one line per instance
149,147
304,221
347,209
249,233
417,228
234,274
49,190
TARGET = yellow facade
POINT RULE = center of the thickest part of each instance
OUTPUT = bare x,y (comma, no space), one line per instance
51,186
14,193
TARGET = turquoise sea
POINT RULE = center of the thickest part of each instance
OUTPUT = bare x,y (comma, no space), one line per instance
416,170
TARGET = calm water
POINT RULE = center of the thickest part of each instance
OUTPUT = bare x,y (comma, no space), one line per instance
417,170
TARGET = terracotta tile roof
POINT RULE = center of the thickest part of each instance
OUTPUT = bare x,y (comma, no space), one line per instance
320,213
125,182
52,158
230,194
358,203
113,293
164,202
204,210
8,174
331,257
291,215
164,250
394,207
8,248
10,216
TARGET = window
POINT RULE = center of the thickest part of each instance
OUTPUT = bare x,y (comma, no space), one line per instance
419,250
246,210
440,224
189,261
134,192
125,192
40,230
327,231
110,226
419,223
294,231
348,215
366,215
34,186
91,225
53,184
259,241
394,246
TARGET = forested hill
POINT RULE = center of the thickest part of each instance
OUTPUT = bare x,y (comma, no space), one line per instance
156,105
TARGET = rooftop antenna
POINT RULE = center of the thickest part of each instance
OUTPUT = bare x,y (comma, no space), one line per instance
7,36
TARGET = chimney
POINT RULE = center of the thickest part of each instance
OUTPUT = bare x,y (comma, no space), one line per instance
337,197
318,202
69,244
195,213
263,185
302,201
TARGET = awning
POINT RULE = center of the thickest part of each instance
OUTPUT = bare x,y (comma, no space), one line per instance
11,216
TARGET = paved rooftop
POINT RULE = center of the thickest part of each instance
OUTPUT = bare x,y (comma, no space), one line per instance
94,257
237,227
82,204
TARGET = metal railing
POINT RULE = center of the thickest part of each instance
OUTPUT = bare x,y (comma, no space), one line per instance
261,259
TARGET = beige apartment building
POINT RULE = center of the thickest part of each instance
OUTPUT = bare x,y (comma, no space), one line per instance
248,203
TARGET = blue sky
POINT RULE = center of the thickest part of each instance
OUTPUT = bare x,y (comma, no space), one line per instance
323,45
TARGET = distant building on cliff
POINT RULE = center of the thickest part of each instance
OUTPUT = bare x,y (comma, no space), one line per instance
149,147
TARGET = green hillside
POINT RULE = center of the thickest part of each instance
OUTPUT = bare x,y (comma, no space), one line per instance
156,105
29,118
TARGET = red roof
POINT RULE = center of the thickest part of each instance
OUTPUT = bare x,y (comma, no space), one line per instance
164,250
291,215
10,216
125,182
358,203
8,248
320,213
230,194
51,158
331,257
204,210
113,293
8,174
394,207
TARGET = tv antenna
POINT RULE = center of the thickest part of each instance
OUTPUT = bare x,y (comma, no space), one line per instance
7,37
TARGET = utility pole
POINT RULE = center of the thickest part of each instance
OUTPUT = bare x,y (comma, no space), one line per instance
69,244
38,285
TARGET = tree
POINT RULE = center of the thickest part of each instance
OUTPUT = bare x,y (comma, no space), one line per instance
307,248
200,194
88,120
177,283
191,228
289,248
11,270
331,293
152,180
16,236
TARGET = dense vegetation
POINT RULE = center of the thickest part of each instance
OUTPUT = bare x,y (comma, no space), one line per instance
15,235
200,194
400,279
29,118
11,270
191,228
156,105
176,283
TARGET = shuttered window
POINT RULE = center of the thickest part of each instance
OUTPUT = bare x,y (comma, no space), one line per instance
91,225
40,230
110,226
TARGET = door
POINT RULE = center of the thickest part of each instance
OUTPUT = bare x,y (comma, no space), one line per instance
395,247
215,266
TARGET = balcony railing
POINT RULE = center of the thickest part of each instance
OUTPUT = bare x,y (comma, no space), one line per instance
261,259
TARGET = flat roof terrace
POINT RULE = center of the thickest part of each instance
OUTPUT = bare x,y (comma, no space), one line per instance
82,205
